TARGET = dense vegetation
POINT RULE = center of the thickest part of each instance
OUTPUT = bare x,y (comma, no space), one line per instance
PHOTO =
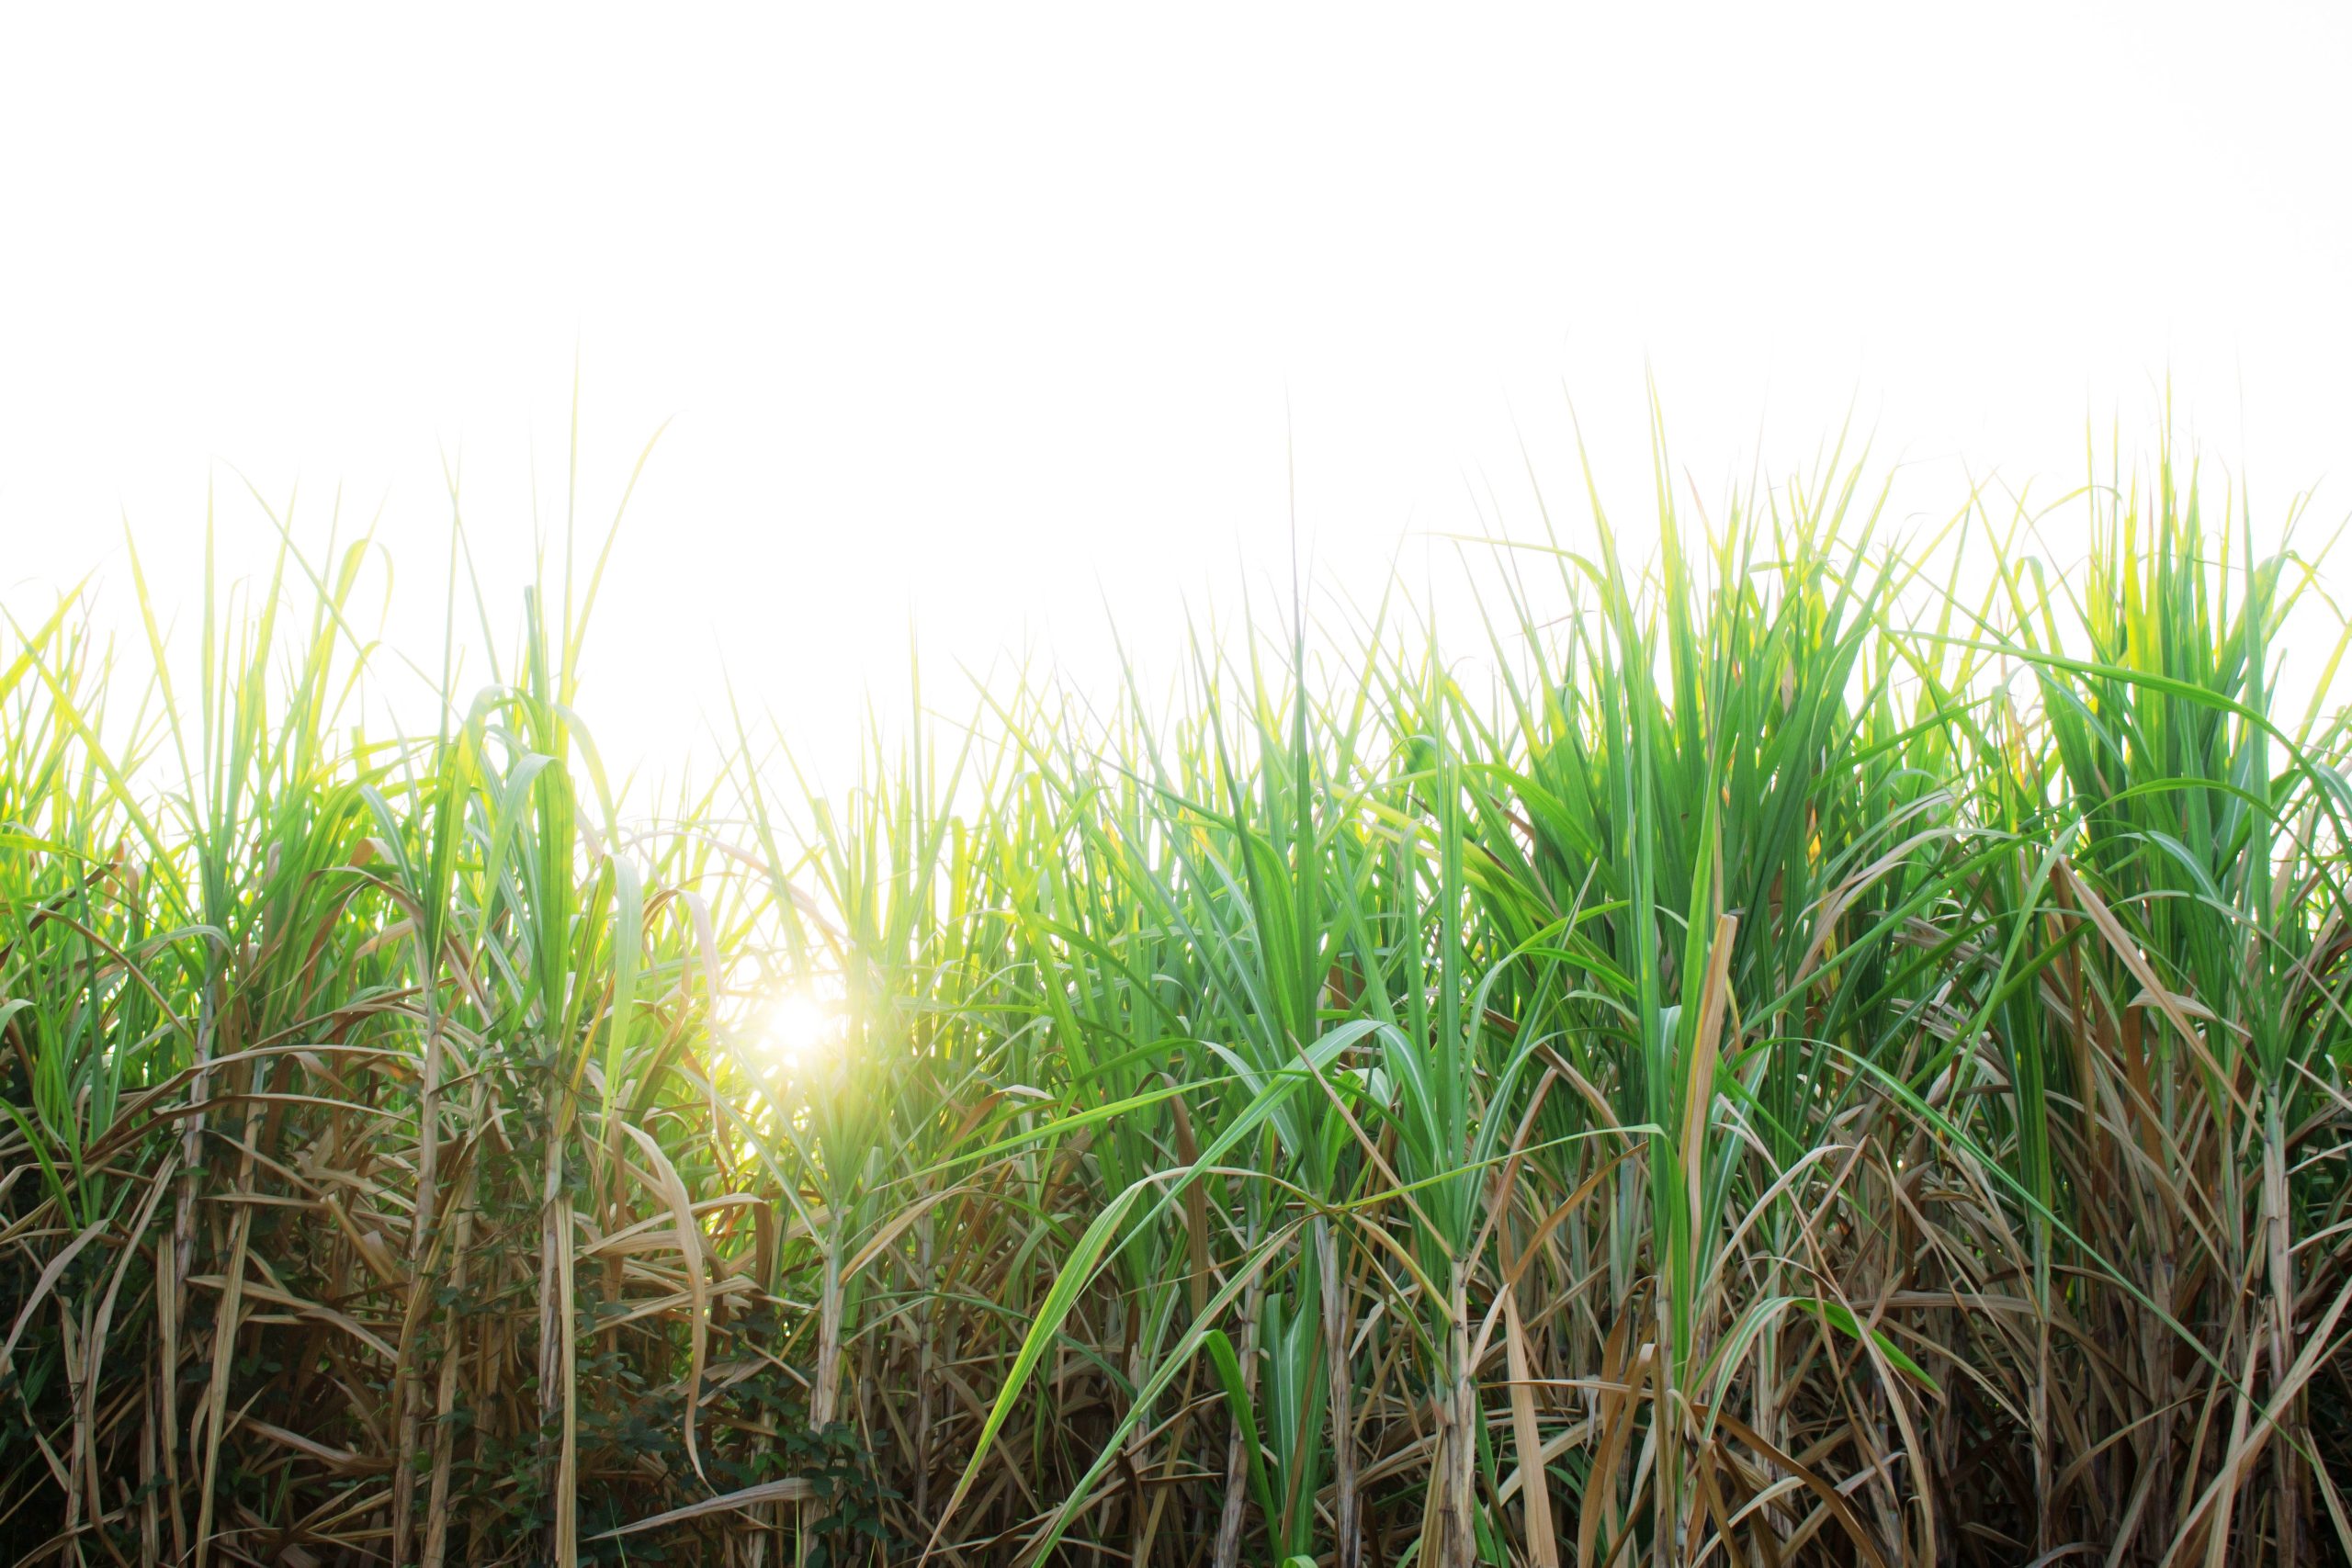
1803,1046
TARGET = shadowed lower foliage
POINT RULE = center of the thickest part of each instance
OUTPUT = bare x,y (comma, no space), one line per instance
1821,1050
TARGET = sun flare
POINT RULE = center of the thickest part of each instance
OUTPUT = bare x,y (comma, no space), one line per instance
801,1029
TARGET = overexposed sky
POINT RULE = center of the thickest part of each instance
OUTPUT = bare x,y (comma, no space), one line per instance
980,317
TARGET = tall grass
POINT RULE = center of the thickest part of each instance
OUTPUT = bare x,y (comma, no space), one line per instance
1811,1043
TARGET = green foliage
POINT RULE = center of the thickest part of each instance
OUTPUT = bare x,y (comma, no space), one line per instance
1814,1047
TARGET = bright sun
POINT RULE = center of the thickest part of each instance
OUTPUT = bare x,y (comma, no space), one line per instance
799,1028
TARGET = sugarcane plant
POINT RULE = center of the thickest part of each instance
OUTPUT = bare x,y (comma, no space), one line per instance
1792,1032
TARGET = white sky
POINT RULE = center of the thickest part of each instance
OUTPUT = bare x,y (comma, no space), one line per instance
977,315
